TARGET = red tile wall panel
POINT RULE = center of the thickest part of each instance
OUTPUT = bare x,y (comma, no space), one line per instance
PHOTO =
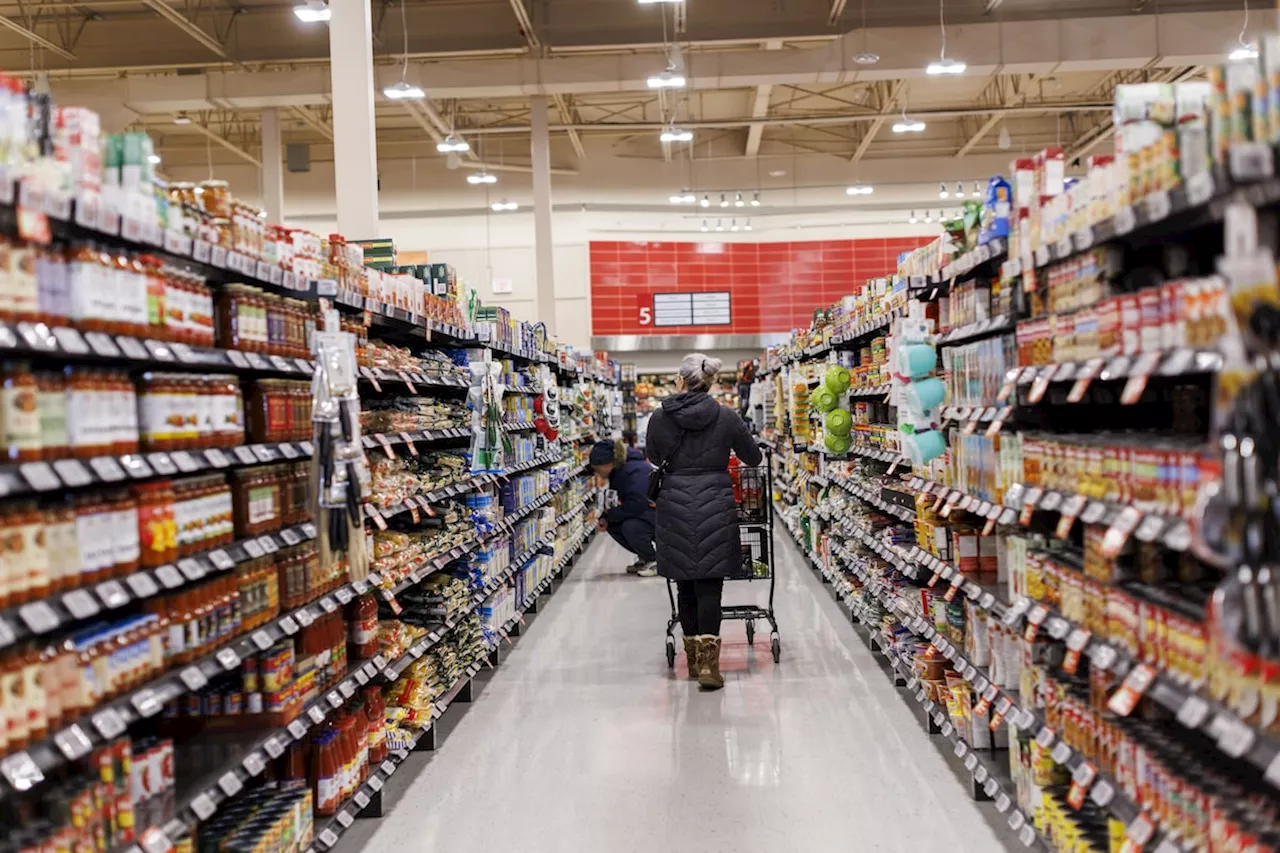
773,287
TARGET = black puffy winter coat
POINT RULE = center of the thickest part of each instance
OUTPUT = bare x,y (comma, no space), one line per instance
697,519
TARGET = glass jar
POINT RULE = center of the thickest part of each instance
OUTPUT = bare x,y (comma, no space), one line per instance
52,404
157,531
52,271
20,412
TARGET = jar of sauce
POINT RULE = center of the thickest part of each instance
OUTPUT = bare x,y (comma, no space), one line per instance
125,541
52,404
64,551
30,554
19,412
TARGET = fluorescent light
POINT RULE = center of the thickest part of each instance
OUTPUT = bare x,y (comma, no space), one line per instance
482,177
655,2
942,191
1243,52
667,80
154,159
755,200
451,144
404,91
181,118
312,12
908,125
946,65
500,206
859,189
674,134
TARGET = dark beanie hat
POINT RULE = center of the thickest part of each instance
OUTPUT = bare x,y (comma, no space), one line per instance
602,453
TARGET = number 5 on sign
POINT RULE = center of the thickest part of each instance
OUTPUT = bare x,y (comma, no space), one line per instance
646,315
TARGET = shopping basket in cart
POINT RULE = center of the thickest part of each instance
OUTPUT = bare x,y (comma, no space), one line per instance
752,490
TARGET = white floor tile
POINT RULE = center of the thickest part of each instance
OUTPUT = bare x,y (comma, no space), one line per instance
585,741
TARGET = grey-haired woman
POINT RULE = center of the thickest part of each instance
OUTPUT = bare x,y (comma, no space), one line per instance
697,518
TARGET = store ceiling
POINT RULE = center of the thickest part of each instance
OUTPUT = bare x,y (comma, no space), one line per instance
768,78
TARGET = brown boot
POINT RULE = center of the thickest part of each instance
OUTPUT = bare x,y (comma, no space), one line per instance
691,652
709,677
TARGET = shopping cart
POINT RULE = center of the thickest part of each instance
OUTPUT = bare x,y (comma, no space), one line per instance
753,490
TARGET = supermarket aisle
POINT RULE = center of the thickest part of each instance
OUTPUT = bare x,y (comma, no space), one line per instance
583,741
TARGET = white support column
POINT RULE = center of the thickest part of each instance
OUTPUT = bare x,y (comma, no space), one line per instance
355,150
272,166
544,252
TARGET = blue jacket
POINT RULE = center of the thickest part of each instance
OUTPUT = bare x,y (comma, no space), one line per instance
631,481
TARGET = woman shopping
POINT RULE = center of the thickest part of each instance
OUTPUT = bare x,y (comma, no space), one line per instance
689,439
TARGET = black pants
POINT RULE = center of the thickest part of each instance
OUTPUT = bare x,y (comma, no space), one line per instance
699,605
636,535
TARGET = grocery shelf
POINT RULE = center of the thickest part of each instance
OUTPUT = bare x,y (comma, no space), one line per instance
36,478
982,260
412,380
977,330
874,499
1175,361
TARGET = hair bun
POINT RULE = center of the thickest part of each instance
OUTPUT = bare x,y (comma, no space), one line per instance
711,365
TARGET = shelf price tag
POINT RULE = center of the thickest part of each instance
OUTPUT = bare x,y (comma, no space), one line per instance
1081,780
1120,531
1077,640
1135,684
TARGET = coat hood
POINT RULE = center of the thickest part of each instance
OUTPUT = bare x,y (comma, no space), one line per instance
691,410
634,453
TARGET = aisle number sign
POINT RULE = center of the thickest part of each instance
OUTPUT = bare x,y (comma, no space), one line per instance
687,309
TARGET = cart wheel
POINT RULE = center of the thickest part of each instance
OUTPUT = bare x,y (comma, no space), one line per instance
776,647
671,653
751,633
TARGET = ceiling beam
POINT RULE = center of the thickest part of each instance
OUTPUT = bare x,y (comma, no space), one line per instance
760,106
180,21
224,142
562,104
888,97
837,9
308,118
35,38
567,115
999,91
525,22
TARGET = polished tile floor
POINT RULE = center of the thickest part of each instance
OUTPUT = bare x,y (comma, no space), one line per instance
584,741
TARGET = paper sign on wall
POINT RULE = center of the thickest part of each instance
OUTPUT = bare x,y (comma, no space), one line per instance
502,285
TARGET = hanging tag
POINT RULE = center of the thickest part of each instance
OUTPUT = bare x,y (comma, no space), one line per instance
1029,501
1138,376
378,520
1135,684
1120,530
1041,384
1081,780
404,377
408,442
1076,642
386,445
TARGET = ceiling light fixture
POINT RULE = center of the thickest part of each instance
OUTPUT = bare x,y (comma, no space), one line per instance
312,12
942,191
153,159
1004,141
704,225
724,201
500,206
482,177
181,118
913,219
656,2
719,225
928,217
755,200
908,125
1246,50
866,57
738,202
668,79
859,189
977,190
404,90
747,225
706,201
959,190
944,65
683,197
733,225
452,143
777,173
676,134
